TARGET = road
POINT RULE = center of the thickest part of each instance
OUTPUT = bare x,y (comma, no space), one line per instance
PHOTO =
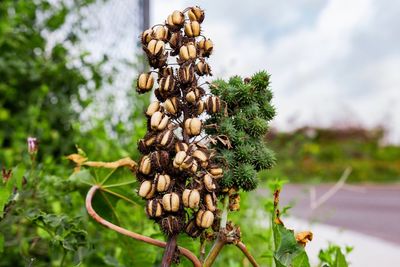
373,210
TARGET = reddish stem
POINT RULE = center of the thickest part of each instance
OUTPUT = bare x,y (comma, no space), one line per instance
250,257
169,251
185,252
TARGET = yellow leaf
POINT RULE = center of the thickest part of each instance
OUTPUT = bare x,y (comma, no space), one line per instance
125,162
303,237
78,159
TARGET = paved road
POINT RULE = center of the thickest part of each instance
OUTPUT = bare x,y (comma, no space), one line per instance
370,209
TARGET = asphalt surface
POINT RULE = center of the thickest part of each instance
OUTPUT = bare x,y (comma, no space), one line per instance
373,210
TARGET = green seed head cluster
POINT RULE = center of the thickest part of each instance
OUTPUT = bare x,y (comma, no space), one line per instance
244,122
178,172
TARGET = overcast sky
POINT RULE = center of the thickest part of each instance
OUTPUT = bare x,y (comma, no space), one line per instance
332,62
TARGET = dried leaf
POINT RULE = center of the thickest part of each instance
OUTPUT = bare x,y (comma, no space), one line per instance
78,159
125,162
303,237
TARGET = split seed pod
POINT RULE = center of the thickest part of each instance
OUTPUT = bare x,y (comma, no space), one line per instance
192,229
175,20
200,107
153,208
186,74
213,104
165,139
182,161
152,108
161,33
156,47
204,218
145,83
163,182
147,190
167,84
205,46
216,171
187,52
172,105
192,29
181,146
146,37
159,159
145,165
201,156
193,126
209,202
191,198
209,183
164,72
203,68
196,14
170,202
171,225
159,121
146,143
174,40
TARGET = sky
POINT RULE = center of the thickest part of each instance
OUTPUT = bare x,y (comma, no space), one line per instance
332,63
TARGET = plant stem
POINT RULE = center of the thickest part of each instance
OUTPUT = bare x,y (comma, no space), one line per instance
63,258
250,257
169,251
185,252
215,250
224,216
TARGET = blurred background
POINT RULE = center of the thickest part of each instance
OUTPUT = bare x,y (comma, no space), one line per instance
67,77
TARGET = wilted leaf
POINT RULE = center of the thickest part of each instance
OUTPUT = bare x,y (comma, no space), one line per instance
303,237
125,162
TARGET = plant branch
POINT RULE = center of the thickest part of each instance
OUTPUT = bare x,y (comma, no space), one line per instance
169,251
215,250
185,252
247,253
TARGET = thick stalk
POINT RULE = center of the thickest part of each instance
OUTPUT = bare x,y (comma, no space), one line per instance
169,251
250,257
215,250
185,252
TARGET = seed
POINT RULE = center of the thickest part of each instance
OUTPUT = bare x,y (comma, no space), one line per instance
159,121
179,158
181,146
167,84
147,190
213,104
204,218
203,68
216,171
200,107
161,33
209,183
153,107
205,46
172,105
192,29
191,198
165,139
145,165
201,155
156,47
147,35
178,18
170,202
186,74
209,201
193,126
196,14
163,182
187,52
154,208
145,83
191,97
187,163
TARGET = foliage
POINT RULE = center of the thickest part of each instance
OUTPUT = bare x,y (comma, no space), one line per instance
320,155
244,122
333,256
40,88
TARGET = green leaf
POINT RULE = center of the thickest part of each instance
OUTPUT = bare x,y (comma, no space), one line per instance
340,260
288,252
83,176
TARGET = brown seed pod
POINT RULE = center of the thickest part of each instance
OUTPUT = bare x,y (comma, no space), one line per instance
182,161
147,190
216,171
196,14
146,143
145,83
145,165
192,29
175,20
187,52
153,208
206,47
175,40
203,68
167,84
202,156
193,126
163,182
159,160
210,202
209,183
194,167
165,72
204,218
165,139
186,74
192,229
159,121
172,105
146,36
199,107
213,104
155,47
191,198
181,146
171,225
187,164
152,108
161,33
171,202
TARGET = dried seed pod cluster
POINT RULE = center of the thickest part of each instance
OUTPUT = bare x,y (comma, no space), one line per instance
178,173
